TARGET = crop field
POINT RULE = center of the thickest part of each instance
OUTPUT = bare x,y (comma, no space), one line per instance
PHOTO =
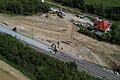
104,2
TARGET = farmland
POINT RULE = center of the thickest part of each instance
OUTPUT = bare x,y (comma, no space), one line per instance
114,3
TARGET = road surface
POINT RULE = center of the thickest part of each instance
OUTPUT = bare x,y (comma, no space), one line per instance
71,16
89,68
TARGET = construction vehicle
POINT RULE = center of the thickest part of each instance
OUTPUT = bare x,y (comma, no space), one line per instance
60,14
14,29
55,47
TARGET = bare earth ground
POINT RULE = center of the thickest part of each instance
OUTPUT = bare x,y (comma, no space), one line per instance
51,30
7,72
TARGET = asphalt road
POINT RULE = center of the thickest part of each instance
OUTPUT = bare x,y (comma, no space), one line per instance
89,68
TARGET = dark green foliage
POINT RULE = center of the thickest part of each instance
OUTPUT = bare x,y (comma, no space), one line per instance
73,3
115,33
87,32
104,2
105,11
23,7
36,64
110,12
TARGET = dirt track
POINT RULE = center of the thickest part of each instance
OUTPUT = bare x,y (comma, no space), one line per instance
49,30
7,72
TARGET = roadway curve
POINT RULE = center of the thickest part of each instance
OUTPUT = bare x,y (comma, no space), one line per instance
89,68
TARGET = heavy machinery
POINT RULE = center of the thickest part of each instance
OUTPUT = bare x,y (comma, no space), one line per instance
14,29
55,47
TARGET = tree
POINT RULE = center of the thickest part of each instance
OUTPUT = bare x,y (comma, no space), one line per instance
23,7
38,65
115,33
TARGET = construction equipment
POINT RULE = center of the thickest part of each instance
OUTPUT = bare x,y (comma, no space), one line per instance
14,29
54,48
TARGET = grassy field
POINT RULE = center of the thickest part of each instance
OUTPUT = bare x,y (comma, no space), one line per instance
104,2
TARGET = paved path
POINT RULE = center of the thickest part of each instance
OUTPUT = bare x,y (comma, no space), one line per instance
90,68
71,16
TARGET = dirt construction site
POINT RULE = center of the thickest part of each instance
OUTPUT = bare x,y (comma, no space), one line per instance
50,30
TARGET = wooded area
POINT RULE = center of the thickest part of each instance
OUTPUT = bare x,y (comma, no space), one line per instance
37,65
104,2
110,12
23,7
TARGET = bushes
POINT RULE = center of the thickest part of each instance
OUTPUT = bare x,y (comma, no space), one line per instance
104,11
106,36
113,36
38,65
23,7
73,3
99,9
87,32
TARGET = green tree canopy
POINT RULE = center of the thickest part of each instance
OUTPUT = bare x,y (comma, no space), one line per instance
23,7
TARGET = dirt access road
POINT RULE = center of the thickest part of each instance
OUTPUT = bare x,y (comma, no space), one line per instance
53,29
7,72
